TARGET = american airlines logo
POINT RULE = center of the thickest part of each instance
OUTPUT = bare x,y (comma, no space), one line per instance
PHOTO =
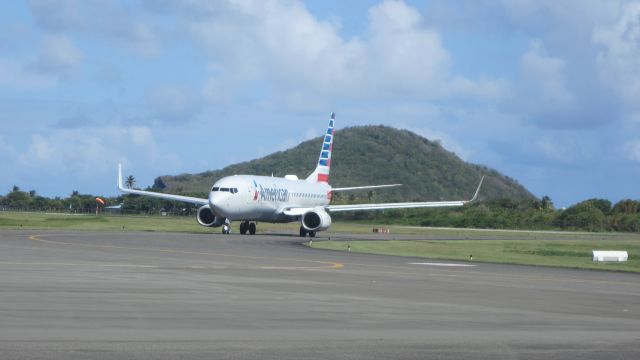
273,194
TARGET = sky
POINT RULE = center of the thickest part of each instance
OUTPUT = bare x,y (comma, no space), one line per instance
546,92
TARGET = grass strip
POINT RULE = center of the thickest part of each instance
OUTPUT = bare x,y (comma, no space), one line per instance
558,253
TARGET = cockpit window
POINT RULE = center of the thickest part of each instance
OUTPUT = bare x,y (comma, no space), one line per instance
231,190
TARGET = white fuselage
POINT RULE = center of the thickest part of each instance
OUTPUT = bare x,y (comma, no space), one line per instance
263,198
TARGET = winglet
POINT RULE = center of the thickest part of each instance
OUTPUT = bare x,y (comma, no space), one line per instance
475,196
120,187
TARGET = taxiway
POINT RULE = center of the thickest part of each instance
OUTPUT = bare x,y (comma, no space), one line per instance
103,295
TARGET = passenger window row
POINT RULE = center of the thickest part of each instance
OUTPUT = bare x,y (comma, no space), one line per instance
235,190
307,195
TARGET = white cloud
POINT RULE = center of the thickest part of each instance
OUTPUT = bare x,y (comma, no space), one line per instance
404,54
14,76
141,136
6,150
632,150
618,59
86,150
58,56
174,103
251,41
573,14
563,151
216,91
547,79
289,143
111,20
446,140
399,56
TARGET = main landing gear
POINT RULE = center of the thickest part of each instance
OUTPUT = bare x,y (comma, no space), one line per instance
304,232
247,226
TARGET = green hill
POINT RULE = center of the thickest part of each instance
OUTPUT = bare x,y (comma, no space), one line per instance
370,155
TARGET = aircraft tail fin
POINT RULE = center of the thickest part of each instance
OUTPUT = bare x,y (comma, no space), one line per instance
321,173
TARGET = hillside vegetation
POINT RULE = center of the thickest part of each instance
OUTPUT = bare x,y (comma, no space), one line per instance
371,155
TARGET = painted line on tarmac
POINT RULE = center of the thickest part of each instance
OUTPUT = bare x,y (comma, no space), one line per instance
333,266
462,272
441,264
325,264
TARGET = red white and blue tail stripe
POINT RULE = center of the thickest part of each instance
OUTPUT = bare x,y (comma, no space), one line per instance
321,173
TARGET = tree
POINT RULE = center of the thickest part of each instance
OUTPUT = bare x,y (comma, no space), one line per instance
586,215
602,204
130,181
19,199
15,188
627,207
546,203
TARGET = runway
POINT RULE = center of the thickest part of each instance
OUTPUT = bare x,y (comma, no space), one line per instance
86,295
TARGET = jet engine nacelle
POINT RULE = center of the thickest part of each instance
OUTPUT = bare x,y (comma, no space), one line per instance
206,217
316,220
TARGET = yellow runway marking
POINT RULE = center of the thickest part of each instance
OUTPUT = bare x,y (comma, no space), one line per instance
325,264
334,266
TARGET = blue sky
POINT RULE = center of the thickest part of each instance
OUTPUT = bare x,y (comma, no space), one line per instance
546,92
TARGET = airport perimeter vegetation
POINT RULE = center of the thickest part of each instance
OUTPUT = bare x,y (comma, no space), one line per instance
542,248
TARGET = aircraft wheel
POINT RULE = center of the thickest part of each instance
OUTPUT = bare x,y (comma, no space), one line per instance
303,232
252,228
312,234
225,229
243,227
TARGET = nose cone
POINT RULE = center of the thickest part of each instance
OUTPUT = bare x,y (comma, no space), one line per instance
217,200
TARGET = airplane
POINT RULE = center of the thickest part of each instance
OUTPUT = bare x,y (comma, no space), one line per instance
253,198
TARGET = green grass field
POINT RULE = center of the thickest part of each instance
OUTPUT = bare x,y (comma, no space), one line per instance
43,221
559,253
565,250
106,222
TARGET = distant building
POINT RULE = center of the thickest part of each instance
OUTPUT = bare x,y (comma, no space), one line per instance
114,209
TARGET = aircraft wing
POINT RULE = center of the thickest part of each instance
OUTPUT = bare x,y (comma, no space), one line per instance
187,199
364,187
404,205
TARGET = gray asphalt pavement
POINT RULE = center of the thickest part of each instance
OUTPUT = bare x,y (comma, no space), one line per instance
84,295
